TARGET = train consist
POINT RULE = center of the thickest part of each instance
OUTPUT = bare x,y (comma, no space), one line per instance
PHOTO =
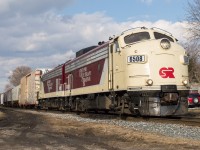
141,71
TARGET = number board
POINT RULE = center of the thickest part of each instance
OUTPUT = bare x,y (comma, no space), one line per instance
136,58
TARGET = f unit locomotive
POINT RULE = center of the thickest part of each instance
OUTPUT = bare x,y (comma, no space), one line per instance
141,71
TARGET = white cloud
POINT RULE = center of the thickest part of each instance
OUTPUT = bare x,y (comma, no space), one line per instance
31,7
151,1
40,37
4,5
147,1
177,29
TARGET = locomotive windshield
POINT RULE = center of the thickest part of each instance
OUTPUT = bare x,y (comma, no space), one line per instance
135,37
161,36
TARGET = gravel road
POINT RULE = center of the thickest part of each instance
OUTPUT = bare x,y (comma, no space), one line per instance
27,129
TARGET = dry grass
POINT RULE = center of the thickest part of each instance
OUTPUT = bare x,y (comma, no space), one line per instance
117,133
2,115
110,135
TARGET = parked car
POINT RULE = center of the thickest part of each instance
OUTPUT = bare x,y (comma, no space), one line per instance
194,100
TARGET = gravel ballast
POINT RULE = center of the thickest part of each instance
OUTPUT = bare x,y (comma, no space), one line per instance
166,129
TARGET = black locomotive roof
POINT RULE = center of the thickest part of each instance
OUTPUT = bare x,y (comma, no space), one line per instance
84,50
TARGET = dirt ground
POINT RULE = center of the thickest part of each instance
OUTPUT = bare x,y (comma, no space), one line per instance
21,130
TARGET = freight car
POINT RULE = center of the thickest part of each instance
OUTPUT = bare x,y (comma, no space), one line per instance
26,94
1,98
7,98
11,97
141,71
15,96
29,89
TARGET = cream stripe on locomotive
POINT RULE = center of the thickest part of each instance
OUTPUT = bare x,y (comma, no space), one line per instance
93,57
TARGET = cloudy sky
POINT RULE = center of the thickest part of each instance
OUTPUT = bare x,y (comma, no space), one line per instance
45,33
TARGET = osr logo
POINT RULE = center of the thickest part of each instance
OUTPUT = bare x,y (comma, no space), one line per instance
167,72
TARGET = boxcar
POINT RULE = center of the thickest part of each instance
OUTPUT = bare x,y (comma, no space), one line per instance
30,86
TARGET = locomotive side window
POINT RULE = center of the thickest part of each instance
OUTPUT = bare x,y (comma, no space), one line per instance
116,46
161,36
135,37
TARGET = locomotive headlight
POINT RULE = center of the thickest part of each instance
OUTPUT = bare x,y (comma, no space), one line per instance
196,100
149,82
185,82
165,44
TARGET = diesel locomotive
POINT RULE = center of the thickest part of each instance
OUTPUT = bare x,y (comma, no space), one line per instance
140,71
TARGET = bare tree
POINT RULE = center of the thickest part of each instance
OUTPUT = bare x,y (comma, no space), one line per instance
194,62
8,87
193,48
193,18
17,74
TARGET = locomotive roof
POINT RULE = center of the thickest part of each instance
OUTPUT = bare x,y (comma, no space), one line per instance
85,50
57,67
146,29
89,52
92,49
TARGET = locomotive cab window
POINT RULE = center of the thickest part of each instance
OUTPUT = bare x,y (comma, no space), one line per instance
135,37
161,36
116,45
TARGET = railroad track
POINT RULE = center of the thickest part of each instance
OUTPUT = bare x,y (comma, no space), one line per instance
182,120
192,119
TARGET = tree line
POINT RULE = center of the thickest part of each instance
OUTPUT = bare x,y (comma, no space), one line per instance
193,46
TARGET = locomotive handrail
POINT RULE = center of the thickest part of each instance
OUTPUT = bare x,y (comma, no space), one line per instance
162,30
133,29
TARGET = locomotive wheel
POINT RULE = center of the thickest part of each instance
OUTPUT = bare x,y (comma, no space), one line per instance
84,108
106,111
